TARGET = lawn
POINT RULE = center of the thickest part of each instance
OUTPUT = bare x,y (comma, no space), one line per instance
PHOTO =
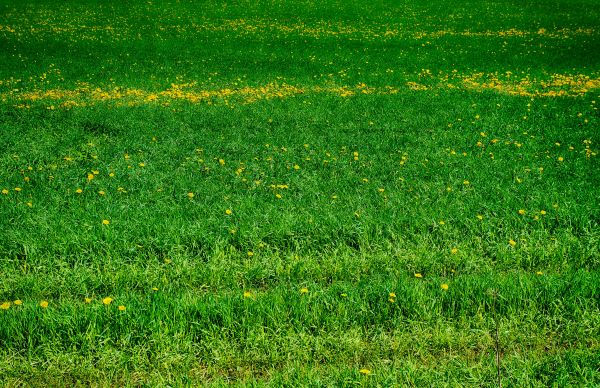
299,193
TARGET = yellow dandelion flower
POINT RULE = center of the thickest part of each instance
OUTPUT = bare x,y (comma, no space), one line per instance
154,289
365,372
444,286
441,222
278,196
79,191
190,195
466,183
250,253
90,176
391,300
560,159
381,189
365,180
418,275
228,212
18,302
5,306
392,294
112,174
29,204
454,251
543,212
304,290
479,217
108,300
87,300
221,162
512,242
522,211
122,308
18,189
95,172
142,164
4,191
168,261
296,167
105,222
539,273
44,304
248,294
101,192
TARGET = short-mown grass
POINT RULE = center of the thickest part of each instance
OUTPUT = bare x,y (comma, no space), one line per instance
292,193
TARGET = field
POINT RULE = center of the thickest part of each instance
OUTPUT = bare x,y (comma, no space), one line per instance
299,193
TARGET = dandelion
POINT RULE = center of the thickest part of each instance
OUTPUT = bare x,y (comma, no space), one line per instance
539,273
221,162
365,180
108,300
90,176
381,189
154,289
18,302
512,242
365,372
4,191
44,304
278,196
121,308
247,294
466,182
444,287
392,294
105,222
454,251
479,217
17,189
88,300
101,192
344,295
418,275
79,191
442,222
29,204
228,212
250,253
142,164
168,261
296,167
304,290
560,159
522,212
5,306
543,212
190,195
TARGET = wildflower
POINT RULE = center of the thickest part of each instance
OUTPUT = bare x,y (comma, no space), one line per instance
247,294
4,191
221,162
454,251
512,242
522,211
296,167
418,275
44,304
304,290
105,222
108,300
539,273
365,180
18,302
190,195
466,182
444,287
29,204
154,289
88,300
121,308
344,295
228,212
5,306
365,372
79,191
278,196
142,164
168,261
112,174
441,222
543,212
250,253
17,189
560,159
479,217
392,295
101,192
90,176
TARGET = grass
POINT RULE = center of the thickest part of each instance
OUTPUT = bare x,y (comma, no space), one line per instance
299,194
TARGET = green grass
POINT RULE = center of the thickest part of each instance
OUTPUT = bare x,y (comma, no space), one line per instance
356,145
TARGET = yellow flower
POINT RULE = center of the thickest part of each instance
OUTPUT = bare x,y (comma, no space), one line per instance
539,273
365,372
418,275
278,196
381,189
250,253
90,176
108,300
29,204
154,289
142,165
560,159
344,295
168,261
479,217
221,162
454,251
105,222
543,212
248,294
101,192
512,242
444,287
190,195
522,211
121,308
5,306
365,180
79,191
392,294
228,212
4,191
441,222
304,290
88,300
17,189
466,182
44,304
18,302
296,167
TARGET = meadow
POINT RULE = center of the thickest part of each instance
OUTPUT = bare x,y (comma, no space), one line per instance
299,193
